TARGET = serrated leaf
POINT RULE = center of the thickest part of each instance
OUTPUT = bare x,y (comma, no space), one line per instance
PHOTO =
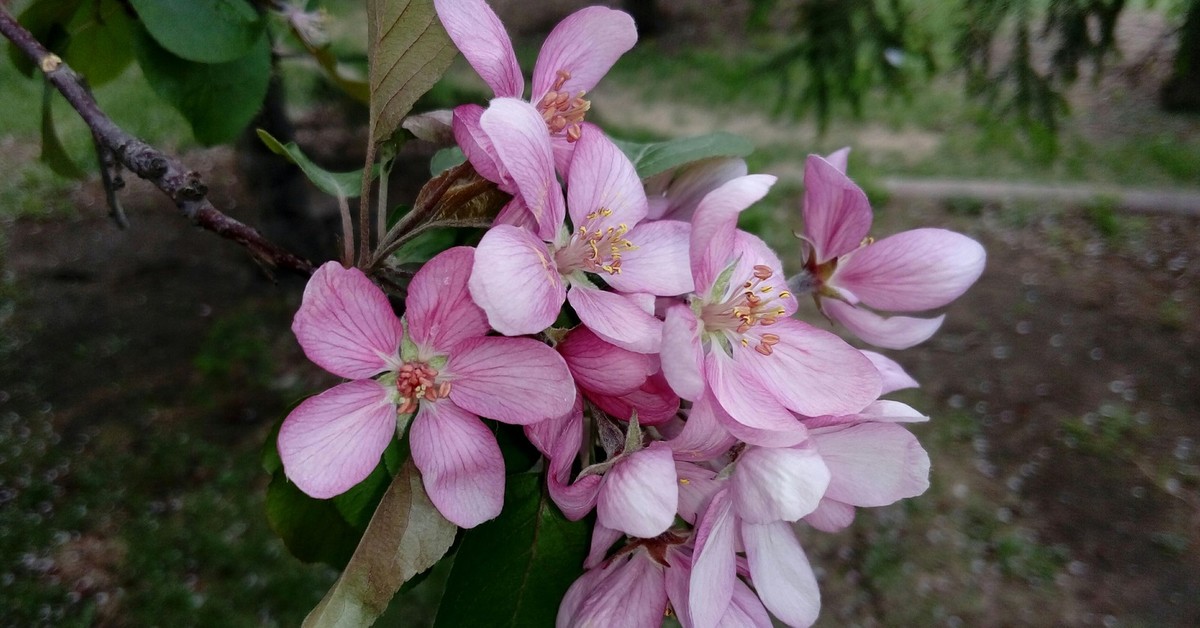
217,99
409,51
406,536
53,152
515,569
312,529
99,44
204,31
343,184
656,157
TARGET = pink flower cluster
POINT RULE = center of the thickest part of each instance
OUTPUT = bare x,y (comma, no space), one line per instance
680,400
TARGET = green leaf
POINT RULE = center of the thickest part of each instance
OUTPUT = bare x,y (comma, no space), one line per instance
312,529
46,20
654,158
100,44
53,153
205,31
446,159
406,536
342,184
409,51
357,504
515,569
220,99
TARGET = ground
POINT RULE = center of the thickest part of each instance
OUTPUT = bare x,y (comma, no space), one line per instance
141,372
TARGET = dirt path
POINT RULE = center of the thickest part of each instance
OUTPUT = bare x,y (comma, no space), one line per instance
1184,202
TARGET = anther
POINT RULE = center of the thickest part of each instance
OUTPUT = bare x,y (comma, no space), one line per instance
763,349
762,271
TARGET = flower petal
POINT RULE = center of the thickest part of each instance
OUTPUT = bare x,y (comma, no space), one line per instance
628,592
831,516
895,332
893,375
511,380
682,356
781,573
713,562
600,366
659,264
602,540
715,223
460,463
839,158
515,281
913,270
332,441
522,145
477,146
811,371
697,486
479,35
674,195
778,483
872,464
602,178
654,402
616,319
702,437
346,325
585,45
439,309
748,403
837,215
640,493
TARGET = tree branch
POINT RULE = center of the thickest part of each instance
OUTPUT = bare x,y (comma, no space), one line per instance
186,189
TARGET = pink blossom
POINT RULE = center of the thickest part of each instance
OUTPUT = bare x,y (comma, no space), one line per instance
627,590
675,194
912,271
437,363
618,381
575,56
521,278
735,338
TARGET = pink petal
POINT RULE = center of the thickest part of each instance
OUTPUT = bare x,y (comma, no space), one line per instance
740,394
912,271
679,192
886,411
810,371
745,610
515,281
831,516
585,44
677,575
628,592
511,380
713,566
333,441
839,158
460,463
654,402
477,147
639,494
893,375
602,540
781,573
346,325
522,144
439,309
702,437
715,222
602,177
559,440
896,332
479,35
837,215
616,319
697,486
778,483
682,356
515,213
602,367
659,264
873,464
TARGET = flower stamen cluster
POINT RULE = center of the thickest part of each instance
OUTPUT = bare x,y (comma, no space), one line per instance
561,110
416,381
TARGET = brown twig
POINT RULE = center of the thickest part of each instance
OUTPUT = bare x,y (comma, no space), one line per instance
168,174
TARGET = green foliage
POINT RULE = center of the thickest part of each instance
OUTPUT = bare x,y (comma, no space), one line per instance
515,569
409,51
340,184
446,159
658,157
98,41
219,99
53,153
204,31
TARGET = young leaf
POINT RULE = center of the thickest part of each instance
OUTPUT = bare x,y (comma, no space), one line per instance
220,99
205,31
409,51
445,159
99,46
406,536
515,569
343,184
651,159
53,153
